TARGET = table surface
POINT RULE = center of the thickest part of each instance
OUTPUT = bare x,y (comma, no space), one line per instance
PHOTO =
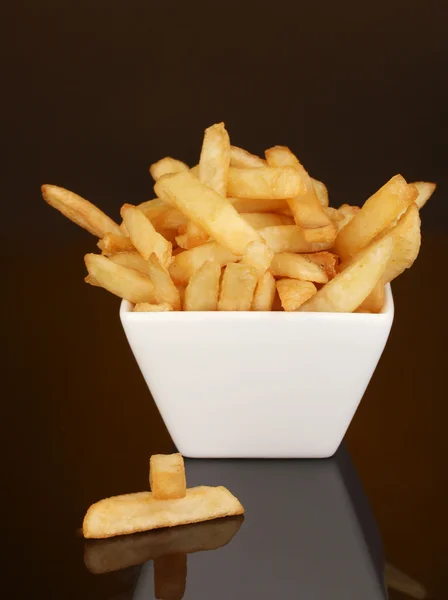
95,92
86,425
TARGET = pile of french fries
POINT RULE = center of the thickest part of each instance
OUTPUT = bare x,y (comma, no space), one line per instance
238,233
169,504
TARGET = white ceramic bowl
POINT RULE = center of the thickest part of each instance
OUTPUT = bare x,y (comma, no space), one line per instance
257,384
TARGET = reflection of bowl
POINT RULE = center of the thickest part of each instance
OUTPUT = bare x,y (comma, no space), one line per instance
254,384
103,556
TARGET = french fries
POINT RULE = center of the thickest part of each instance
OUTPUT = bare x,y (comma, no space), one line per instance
295,266
132,260
237,287
167,165
132,513
376,215
147,307
259,256
252,205
167,476
143,235
164,289
80,211
121,281
264,183
207,209
293,293
215,158
425,190
187,263
264,293
289,238
360,277
263,219
242,159
218,235
112,243
202,290
305,206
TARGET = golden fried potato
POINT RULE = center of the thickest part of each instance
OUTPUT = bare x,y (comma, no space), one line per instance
297,266
167,476
202,291
112,244
80,211
264,293
143,235
131,260
237,287
259,256
111,517
209,210
293,293
167,165
215,158
289,238
164,289
425,190
245,160
264,183
376,215
188,262
121,281
347,291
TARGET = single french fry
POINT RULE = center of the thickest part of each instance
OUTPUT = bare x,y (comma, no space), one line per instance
114,554
167,476
111,517
167,165
170,577
375,216
289,238
321,191
407,241
347,291
121,281
425,190
327,260
264,293
261,220
305,206
252,205
80,211
209,210
112,244
264,183
143,235
296,266
164,289
259,256
147,307
188,262
132,260
237,287
375,300
245,160
215,158
293,293
202,290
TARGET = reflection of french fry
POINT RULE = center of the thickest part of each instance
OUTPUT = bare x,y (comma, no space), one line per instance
170,577
401,582
103,556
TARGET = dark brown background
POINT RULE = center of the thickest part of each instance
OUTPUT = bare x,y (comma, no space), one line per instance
93,93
